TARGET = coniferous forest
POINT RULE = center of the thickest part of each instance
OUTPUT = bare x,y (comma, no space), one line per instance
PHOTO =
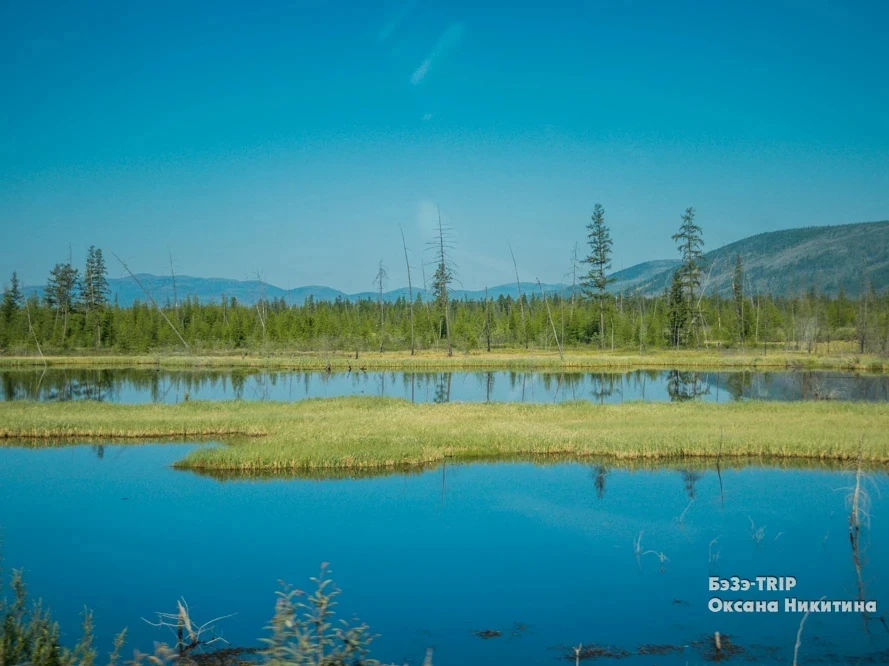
76,312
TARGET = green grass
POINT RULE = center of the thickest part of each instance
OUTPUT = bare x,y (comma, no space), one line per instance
366,433
500,359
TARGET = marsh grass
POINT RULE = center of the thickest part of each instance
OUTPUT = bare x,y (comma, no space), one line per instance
372,432
499,359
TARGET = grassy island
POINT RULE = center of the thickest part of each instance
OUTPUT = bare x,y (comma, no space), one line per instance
370,432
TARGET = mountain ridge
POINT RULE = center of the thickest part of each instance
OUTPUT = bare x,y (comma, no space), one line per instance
127,291
831,258
828,258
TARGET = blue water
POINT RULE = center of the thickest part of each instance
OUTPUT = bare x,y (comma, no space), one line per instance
139,385
427,559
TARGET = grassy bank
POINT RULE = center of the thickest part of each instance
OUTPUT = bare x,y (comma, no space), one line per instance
364,432
574,359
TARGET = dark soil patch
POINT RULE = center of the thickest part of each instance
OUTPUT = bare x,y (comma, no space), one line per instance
658,649
595,652
486,634
727,649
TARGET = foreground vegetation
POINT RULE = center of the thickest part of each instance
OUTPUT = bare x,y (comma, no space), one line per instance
302,630
366,432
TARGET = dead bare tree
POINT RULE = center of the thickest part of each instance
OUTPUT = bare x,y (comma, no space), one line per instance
573,279
151,298
34,334
518,285
380,281
551,322
799,637
445,274
698,307
487,319
189,634
173,277
410,288
260,301
425,292
36,342
859,501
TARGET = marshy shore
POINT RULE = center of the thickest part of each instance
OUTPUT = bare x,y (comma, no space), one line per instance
774,357
376,433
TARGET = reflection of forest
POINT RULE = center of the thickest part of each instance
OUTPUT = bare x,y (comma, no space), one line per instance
682,386
800,385
157,385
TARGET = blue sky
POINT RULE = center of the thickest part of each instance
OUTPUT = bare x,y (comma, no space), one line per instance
295,137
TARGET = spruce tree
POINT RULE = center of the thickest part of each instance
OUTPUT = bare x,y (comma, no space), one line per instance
95,280
677,312
595,282
12,297
95,288
61,292
691,243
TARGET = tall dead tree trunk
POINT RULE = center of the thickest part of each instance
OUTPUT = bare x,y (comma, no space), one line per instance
551,322
487,319
380,281
151,298
410,288
518,285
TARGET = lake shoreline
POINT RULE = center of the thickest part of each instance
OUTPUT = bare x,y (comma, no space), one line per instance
573,359
380,433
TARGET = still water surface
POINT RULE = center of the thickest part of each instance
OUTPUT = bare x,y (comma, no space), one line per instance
543,554
143,385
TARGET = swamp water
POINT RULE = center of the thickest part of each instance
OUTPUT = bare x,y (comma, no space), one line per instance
139,385
544,554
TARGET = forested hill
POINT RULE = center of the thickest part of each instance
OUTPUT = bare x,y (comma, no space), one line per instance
791,262
629,279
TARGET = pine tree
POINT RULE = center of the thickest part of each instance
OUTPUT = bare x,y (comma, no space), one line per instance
595,282
61,292
95,288
677,312
691,243
12,297
95,280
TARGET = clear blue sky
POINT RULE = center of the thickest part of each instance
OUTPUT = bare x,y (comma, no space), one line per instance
295,137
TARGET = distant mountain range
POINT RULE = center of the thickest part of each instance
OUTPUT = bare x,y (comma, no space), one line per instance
778,263
630,279
248,291
790,262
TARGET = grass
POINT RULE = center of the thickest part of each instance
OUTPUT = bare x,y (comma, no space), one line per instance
499,359
361,433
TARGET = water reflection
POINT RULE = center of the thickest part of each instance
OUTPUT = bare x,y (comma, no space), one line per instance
136,385
569,551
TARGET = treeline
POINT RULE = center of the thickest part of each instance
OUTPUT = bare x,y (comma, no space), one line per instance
623,322
77,313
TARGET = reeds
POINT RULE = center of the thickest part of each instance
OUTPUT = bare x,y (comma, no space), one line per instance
303,631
